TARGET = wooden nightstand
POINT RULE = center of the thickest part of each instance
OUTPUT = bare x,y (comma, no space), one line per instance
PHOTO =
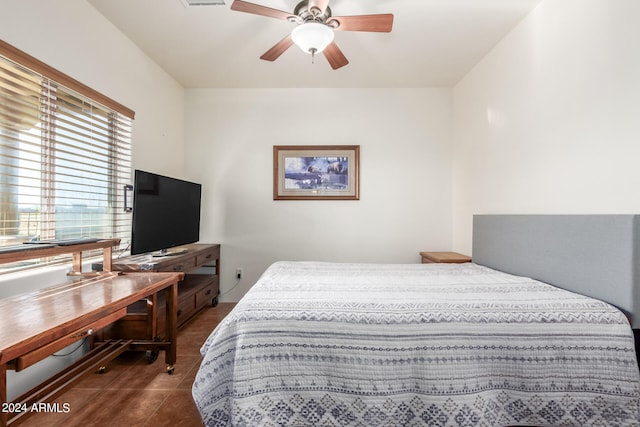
450,257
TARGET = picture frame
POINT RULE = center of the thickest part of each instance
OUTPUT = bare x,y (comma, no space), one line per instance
316,172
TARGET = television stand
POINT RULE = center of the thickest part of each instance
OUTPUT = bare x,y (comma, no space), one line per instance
170,252
199,289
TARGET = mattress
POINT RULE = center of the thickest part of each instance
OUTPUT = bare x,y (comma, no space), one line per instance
337,344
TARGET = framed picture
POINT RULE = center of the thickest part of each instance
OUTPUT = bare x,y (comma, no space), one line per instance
316,172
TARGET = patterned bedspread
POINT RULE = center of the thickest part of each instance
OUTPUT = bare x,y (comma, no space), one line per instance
323,344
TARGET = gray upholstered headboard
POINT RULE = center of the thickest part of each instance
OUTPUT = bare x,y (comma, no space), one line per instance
595,255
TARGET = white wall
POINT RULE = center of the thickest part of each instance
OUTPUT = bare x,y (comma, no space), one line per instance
405,180
74,38
549,121
71,36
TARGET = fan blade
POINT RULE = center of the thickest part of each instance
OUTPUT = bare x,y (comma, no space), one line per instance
375,23
335,56
321,5
243,6
278,49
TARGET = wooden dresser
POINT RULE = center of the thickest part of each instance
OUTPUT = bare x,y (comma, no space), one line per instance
199,289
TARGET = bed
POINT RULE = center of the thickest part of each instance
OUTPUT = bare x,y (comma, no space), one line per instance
339,344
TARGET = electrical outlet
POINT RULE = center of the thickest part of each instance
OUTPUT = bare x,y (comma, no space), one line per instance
239,273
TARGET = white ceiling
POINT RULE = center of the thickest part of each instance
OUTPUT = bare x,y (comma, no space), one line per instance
434,43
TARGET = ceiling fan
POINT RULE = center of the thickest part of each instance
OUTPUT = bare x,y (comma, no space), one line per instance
314,33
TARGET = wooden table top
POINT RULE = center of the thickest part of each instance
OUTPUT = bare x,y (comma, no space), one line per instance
451,257
50,313
34,251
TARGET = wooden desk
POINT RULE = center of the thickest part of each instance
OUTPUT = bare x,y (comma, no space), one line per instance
37,324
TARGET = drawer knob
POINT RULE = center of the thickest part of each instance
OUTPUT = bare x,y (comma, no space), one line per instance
82,334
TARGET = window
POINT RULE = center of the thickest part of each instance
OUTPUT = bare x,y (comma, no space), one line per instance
65,156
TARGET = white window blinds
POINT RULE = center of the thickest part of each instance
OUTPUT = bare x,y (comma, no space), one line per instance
64,157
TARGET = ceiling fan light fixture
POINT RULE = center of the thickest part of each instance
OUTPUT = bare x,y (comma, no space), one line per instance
312,37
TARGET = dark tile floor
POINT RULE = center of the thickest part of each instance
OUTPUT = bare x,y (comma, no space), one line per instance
134,392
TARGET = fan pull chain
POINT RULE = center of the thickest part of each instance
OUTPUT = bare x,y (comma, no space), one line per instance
313,51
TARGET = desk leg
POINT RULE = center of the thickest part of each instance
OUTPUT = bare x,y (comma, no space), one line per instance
172,326
76,264
4,416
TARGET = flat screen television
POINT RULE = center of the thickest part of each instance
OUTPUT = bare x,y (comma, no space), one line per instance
166,214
